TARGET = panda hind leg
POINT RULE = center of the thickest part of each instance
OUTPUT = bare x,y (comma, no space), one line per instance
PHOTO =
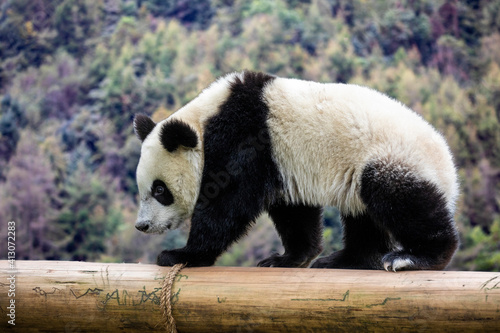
364,245
414,212
300,228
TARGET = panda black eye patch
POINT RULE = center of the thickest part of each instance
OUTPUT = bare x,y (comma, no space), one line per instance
161,193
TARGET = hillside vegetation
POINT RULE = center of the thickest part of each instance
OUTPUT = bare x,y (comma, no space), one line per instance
74,72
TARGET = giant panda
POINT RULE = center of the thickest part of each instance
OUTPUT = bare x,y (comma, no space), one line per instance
253,143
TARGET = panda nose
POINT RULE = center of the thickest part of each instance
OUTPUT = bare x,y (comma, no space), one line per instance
142,226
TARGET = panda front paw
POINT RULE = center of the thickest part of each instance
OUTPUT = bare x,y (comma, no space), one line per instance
170,258
277,260
397,261
182,256
344,259
338,259
322,263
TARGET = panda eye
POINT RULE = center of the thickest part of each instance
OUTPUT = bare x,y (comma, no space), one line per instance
159,190
161,193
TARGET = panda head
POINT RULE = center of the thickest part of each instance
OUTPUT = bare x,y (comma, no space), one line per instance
168,173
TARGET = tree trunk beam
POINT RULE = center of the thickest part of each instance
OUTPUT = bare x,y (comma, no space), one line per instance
61,296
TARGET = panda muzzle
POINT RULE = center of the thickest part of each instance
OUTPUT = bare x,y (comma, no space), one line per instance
142,226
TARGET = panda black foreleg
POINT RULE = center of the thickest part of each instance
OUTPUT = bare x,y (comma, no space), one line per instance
300,228
212,231
364,245
207,240
415,213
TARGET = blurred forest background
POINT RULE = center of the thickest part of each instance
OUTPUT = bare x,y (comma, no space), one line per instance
74,72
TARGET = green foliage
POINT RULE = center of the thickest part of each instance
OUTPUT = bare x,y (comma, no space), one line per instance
26,198
87,218
73,26
482,249
25,35
74,72
332,234
193,13
12,119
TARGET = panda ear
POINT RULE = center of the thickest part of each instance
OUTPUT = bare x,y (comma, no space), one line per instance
176,133
143,125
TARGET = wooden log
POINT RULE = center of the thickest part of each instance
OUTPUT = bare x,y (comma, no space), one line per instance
55,296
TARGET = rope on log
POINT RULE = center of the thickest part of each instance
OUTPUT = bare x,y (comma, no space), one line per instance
166,297
61,296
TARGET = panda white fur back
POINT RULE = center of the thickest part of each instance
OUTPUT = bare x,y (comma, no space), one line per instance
340,128
252,142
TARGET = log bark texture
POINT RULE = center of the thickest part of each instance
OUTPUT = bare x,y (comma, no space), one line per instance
56,296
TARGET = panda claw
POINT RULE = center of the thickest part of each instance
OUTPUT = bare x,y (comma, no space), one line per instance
387,266
398,264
